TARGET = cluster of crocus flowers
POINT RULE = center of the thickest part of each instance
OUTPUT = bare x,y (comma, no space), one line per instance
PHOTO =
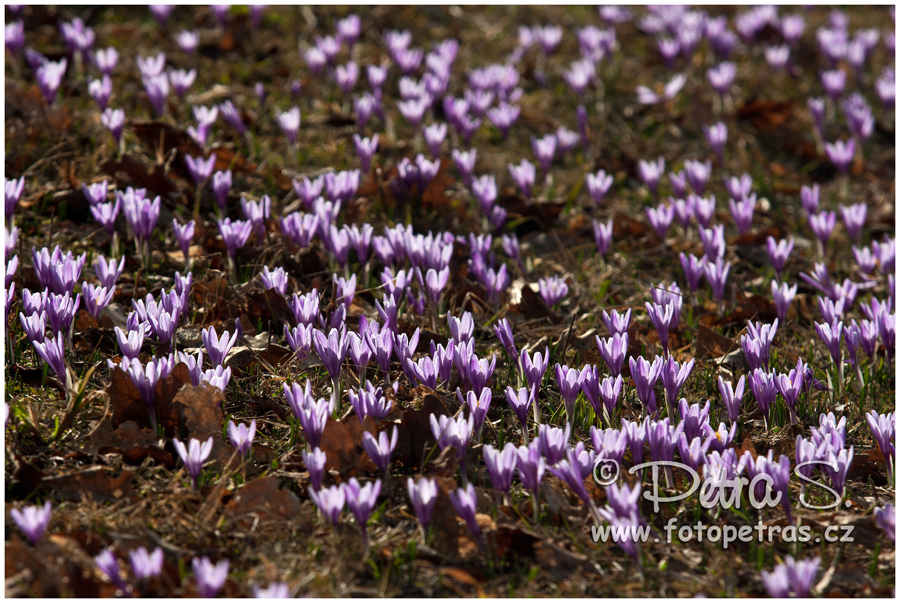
360,498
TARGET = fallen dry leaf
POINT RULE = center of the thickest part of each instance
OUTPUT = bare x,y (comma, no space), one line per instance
129,440
199,410
126,404
414,436
342,442
710,344
131,171
94,482
262,503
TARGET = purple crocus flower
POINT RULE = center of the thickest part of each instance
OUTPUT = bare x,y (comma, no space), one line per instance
789,386
838,467
663,294
61,311
381,449
662,318
569,381
533,368
241,437
13,191
478,407
651,172
762,384
276,279
602,236
713,240
697,174
809,197
531,466
14,37
188,41
233,117
504,333
544,150
693,453
330,501
464,501
465,163
348,29
716,274
453,433
365,149
235,234
275,590
610,389
181,81
791,578
183,234
57,272
434,137
34,325
52,350
221,186
314,462
161,12
423,495
882,428
663,438
779,252
108,271
645,375
841,154
598,185
661,218
886,520
721,76
693,418
217,349
461,329
674,376
732,398
720,439
854,218
503,116
157,88
616,323
738,188
830,334
822,224
106,563
100,90
33,521
194,455
554,441
289,122
552,289
614,351
199,168
210,578
362,500
96,298
693,269
145,565
742,212
500,466
114,121
49,78
523,175
717,135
